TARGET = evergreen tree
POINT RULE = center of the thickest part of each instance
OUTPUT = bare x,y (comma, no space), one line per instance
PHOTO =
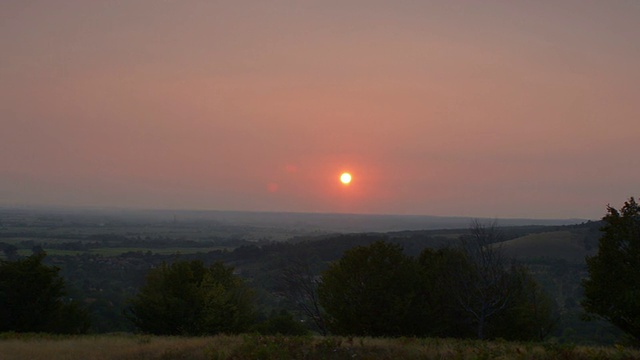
612,290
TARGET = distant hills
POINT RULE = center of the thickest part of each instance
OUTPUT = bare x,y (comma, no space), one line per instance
567,239
334,222
367,223
323,222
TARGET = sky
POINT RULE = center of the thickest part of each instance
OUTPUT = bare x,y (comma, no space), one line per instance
453,108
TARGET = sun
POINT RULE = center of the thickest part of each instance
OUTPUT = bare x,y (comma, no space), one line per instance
345,178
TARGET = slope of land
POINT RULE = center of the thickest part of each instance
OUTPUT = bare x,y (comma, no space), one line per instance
564,244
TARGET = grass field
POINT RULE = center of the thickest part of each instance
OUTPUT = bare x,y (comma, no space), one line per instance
123,346
555,244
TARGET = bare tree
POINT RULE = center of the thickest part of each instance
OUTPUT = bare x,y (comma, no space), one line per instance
486,284
300,285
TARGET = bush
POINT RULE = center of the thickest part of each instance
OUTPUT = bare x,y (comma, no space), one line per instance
32,299
186,298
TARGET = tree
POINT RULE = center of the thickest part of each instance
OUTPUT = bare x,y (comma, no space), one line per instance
612,290
450,311
485,285
439,312
370,291
187,298
32,299
530,314
300,285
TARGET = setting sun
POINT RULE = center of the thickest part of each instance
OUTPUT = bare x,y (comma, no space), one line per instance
345,178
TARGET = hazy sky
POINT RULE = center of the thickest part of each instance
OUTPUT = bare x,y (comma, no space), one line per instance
475,108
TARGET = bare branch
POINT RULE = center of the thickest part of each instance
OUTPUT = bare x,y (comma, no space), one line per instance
299,284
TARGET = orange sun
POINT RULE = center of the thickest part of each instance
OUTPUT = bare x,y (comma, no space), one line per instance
345,178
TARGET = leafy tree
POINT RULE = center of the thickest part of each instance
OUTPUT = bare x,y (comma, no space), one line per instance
370,291
32,299
228,302
476,289
187,298
439,312
530,313
612,290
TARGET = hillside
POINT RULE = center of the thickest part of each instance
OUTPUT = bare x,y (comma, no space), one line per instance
571,246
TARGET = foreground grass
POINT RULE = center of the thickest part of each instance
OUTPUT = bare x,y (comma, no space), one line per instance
20,346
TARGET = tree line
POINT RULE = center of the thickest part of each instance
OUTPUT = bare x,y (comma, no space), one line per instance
468,291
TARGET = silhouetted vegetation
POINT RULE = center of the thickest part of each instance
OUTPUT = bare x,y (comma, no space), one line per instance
371,291
377,290
612,290
104,263
187,298
33,299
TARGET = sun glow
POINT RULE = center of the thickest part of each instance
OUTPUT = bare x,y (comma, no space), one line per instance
345,178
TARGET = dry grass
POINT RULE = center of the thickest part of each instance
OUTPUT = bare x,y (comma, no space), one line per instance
107,347
279,347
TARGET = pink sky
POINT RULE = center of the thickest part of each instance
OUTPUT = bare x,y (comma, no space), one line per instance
470,108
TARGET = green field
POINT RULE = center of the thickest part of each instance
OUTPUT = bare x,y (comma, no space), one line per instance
565,245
